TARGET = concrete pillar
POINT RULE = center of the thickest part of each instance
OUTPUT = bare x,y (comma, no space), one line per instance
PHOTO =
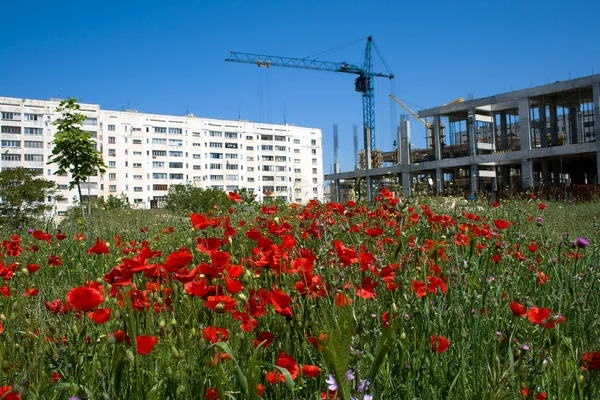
503,131
472,133
526,173
543,126
524,124
473,178
439,180
556,173
574,125
546,173
437,143
554,124
596,99
406,184
368,184
404,142
598,167
337,191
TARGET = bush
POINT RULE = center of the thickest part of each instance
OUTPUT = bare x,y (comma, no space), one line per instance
191,199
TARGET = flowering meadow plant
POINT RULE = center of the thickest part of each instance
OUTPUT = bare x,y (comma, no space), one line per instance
398,299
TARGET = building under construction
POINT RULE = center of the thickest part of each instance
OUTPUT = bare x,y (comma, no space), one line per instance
541,136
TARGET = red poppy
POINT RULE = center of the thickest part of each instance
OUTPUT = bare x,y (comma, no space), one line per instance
439,344
6,393
538,396
518,309
419,288
144,344
99,247
374,232
367,288
55,376
266,337
121,336
312,371
31,292
591,360
214,335
54,261
211,394
287,362
435,283
32,268
100,316
538,316
281,303
501,224
234,196
5,291
541,206
541,278
220,304
178,259
199,221
39,235
84,298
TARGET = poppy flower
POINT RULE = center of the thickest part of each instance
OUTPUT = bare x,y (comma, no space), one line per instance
54,261
234,197
374,232
284,361
538,396
32,268
31,292
312,371
439,344
518,309
501,224
39,235
435,283
5,291
84,298
266,337
199,221
144,344
219,304
367,288
100,316
281,303
419,288
541,206
99,247
591,360
214,335
211,394
538,316
6,393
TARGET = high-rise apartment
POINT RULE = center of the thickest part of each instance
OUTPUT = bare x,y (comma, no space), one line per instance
147,153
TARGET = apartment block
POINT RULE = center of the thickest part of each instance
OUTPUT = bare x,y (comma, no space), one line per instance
147,153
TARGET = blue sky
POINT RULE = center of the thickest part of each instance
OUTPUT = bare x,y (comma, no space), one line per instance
168,56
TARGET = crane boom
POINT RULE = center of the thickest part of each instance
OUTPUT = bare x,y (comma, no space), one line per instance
414,114
363,84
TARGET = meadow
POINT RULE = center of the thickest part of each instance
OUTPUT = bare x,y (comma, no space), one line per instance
398,299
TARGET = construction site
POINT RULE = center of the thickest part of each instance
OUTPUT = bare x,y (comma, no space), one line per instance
540,137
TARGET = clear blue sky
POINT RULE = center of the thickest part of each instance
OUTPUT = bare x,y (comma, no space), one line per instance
168,56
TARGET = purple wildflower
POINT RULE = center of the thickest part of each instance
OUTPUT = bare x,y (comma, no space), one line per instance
581,243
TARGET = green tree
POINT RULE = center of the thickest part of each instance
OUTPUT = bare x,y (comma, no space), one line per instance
192,199
22,195
74,150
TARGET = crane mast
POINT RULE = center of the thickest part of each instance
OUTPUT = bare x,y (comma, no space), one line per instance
363,84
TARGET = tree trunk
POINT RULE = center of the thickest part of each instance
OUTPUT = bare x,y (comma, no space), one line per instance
80,200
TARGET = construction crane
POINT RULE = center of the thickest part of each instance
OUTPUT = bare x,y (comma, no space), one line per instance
428,126
363,84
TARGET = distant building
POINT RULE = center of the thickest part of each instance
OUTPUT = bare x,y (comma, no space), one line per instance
147,153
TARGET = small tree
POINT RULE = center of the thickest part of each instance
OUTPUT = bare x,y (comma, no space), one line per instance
74,150
22,195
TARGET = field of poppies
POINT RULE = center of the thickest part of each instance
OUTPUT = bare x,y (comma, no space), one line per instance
399,299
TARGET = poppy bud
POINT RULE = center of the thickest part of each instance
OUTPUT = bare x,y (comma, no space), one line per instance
52,329
162,323
174,352
230,240
75,329
169,372
189,241
24,271
55,356
242,297
403,336
17,346
276,219
180,389
219,307
394,308
3,317
173,322
98,365
129,355
580,378
5,365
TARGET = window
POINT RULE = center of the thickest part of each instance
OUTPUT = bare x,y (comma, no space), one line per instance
216,166
215,145
175,165
11,116
296,141
15,130
231,135
296,151
250,179
313,142
159,153
230,156
176,142
215,134
251,148
112,152
158,129
196,134
175,153
315,180
314,170
29,144
112,164
158,164
90,121
266,137
266,158
296,160
250,169
314,161
112,188
315,190
232,177
34,157
137,177
232,167
249,158
280,138
33,117
16,144
197,167
62,187
112,176
280,148
11,157
175,176
175,131
231,145
268,168
281,188
216,156
280,168
111,140
313,151
216,177
137,165
137,141
160,187
159,175
266,147
137,189
280,158
33,131
196,156
297,170
111,128
249,137
159,141
137,153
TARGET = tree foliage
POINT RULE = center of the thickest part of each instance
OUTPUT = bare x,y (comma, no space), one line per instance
191,199
74,150
22,196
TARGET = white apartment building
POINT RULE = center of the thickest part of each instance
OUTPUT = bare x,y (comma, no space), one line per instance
147,153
